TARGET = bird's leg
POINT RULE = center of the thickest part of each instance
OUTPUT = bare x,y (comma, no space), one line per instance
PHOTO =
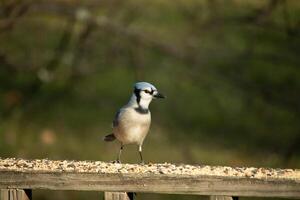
141,156
119,155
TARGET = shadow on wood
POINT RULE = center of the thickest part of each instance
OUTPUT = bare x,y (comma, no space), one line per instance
118,196
218,197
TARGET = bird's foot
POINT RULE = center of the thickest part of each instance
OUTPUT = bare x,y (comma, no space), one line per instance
142,163
116,161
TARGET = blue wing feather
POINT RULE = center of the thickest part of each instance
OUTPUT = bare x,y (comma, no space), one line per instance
116,119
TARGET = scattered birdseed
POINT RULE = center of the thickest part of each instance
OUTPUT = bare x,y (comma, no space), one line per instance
45,165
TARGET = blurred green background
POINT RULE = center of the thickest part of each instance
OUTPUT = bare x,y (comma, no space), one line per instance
230,70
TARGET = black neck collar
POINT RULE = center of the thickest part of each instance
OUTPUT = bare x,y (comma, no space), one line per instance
141,110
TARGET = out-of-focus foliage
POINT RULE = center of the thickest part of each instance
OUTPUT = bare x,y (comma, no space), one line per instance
230,70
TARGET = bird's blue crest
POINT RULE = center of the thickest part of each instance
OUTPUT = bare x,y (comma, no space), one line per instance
143,85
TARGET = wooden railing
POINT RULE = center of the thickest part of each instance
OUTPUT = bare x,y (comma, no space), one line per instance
19,177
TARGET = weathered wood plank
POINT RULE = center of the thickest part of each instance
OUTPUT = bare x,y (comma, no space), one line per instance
15,194
204,185
151,178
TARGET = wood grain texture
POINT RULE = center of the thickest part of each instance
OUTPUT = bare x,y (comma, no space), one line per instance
15,194
151,178
204,185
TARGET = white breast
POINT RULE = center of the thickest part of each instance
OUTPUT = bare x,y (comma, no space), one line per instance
132,126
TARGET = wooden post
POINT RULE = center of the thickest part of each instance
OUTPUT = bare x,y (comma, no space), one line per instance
118,195
15,194
219,197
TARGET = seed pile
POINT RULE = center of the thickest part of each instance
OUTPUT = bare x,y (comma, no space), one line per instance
45,165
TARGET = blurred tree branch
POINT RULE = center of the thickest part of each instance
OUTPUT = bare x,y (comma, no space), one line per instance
11,11
62,45
184,53
262,14
80,48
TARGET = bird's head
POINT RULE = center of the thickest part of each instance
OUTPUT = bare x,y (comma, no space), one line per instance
145,92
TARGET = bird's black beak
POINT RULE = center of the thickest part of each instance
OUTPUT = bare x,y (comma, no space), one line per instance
159,95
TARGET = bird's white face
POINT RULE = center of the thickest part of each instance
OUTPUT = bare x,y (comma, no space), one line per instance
147,93
150,93
144,96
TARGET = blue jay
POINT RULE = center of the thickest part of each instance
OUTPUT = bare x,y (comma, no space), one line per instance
132,122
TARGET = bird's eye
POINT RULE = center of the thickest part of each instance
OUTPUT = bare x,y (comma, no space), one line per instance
147,91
